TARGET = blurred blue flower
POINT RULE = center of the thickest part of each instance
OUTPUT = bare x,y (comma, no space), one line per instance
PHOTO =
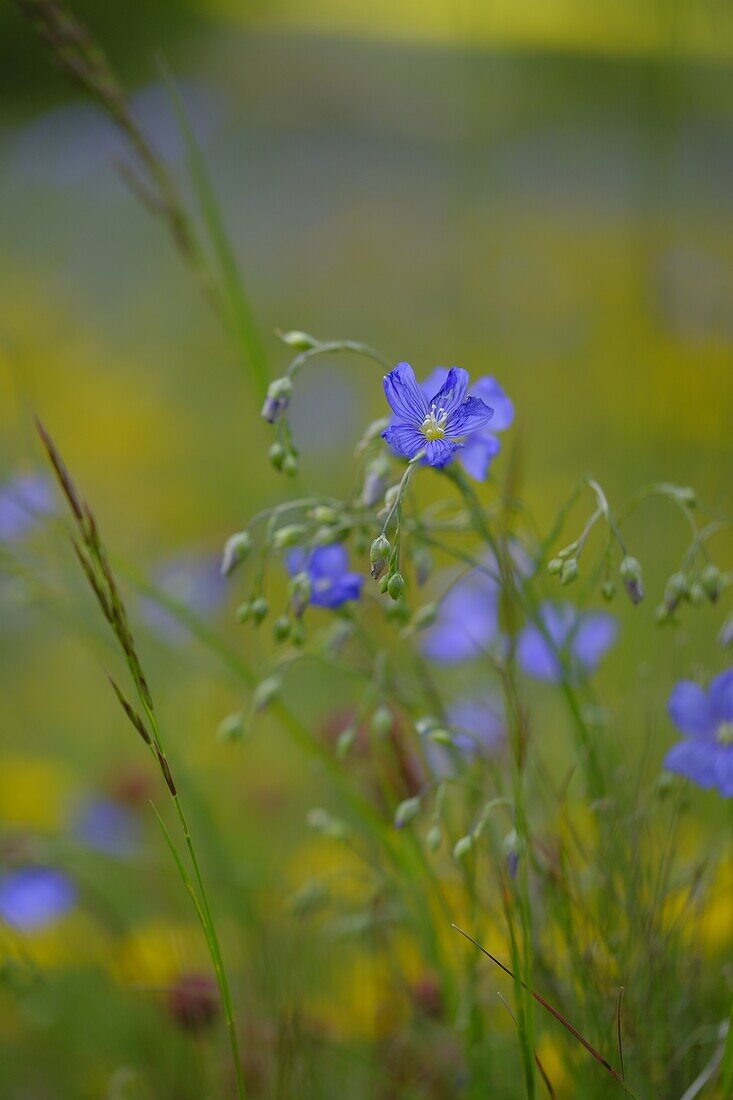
24,500
32,897
107,826
582,638
332,584
436,423
481,448
706,719
467,620
477,725
192,580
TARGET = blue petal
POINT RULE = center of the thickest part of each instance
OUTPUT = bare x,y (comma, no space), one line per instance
434,381
407,400
452,392
477,724
596,633
439,452
329,561
491,393
333,592
724,771
405,440
469,417
536,656
689,708
478,453
695,759
31,897
466,623
720,694
296,561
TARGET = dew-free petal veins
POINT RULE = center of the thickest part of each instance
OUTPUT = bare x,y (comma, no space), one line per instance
405,397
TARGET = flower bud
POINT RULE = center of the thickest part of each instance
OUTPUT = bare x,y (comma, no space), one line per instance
382,721
231,728
434,839
265,692
281,628
406,812
324,513
696,594
291,535
675,590
236,549
277,455
608,589
324,823
555,566
462,847
568,551
390,497
379,556
375,482
661,614
297,635
710,580
396,585
725,637
631,575
301,341
278,397
326,536
259,609
345,740
244,611
300,590
290,465
569,571
383,582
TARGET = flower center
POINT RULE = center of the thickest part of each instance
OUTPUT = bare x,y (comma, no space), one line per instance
724,733
433,426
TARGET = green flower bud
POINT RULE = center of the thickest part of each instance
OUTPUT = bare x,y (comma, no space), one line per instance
434,839
277,455
326,536
291,535
282,628
324,513
379,556
345,740
300,590
324,823
299,340
568,551
297,635
244,611
710,579
290,465
259,609
608,589
675,590
463,847
396,585
278,397
383,582
382,722
231,728
661,614
265,692
236,549
406,812
569,571
696,594
555,566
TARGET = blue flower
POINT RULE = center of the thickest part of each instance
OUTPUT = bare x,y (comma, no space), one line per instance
467,620
192,580
24,499
482,447
328,571
582,638
706,719
107,826
434,424
32,897
477,724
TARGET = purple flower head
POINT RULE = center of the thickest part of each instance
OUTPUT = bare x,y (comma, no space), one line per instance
24,499
705,755
434,424
482,447
467,620
192,580
107,826
477,724
32,897
582,638
328,571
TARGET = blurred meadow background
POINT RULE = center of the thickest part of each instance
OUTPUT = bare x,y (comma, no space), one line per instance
542,192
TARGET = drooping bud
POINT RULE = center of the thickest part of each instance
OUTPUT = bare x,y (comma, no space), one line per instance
291,535
631,575
259,609
300,591
608,589
569,571
265,692
554,567
290,465
236,549
277,455
379,556
375,482
396,585
324,823
696,594
244,611
324,513
231,728
282,628
462,847
675,590
383,582
345,740
434,839
711,581
278,397
406,812
301,341
568,551
382,721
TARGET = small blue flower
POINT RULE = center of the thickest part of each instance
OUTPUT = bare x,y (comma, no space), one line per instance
107,826
328,571
481,448
24,500
192,580
467,620
32,897
706,719
434,424
582,638
477,725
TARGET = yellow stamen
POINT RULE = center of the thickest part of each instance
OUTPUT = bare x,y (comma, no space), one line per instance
433,426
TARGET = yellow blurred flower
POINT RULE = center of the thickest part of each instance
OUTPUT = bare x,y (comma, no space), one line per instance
35,792
157,952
